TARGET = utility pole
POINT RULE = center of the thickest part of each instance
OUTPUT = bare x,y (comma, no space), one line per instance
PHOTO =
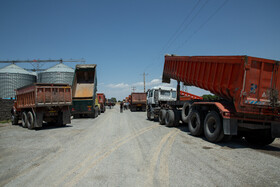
133,88
144,74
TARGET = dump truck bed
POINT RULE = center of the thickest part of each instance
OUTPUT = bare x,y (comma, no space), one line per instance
250,83
138,98
41,95
84,82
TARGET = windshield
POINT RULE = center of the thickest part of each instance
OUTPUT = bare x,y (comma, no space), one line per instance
165,92
174,94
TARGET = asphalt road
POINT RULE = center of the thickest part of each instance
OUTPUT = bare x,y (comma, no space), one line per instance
125,149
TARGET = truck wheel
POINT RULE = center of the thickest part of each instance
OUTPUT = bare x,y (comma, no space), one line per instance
14,119
161,117
213,128
186,110
169,118
259,138
195,123
177,115
96,112
149,115
30,120
24,120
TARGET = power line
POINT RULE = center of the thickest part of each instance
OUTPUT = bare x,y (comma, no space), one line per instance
175,35
180,27
186,26
203,24
182,30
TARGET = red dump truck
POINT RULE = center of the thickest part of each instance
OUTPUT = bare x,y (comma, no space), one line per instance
42,102
248,88
101,100
138,101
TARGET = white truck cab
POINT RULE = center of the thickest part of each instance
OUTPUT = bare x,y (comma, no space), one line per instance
158,96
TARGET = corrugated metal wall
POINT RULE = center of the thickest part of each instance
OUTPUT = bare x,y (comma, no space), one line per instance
56,77
11,81
60,73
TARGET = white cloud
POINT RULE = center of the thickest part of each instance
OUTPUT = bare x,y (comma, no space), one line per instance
122,90
120,85
154,82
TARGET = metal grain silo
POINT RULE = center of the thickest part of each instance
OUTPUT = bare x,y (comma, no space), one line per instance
13,77
59,73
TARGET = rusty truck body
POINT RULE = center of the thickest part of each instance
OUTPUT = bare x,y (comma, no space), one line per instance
138,101
42,102
102,101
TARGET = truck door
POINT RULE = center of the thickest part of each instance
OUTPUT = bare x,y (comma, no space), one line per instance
156,96
262,83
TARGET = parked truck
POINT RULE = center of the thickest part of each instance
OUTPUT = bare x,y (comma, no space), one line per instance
102,101
42,102
138,101
248,88
159,97
84,89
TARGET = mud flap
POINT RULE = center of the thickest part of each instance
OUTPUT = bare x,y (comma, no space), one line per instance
230,126
38,115
275,130
66,118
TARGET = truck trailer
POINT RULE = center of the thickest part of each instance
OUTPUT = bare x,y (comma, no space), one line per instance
42,102
101,100
248,88
138,101
84,89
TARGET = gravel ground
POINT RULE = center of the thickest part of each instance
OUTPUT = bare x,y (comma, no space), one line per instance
125,149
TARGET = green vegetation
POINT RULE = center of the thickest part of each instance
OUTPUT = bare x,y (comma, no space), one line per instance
210,97
5,121
114,99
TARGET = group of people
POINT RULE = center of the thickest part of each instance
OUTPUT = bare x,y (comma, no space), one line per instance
124,106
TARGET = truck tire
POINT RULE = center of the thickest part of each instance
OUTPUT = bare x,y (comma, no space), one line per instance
30,120
195,123
96,112
177,115
149,114
24,119
161,117
213,127
169,118
14,119
186,110
259,138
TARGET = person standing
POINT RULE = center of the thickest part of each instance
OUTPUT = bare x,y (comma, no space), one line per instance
121,107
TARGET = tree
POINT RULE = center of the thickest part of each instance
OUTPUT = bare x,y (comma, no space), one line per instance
210,97
114,99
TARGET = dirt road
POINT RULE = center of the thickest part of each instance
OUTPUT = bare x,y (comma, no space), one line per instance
125,149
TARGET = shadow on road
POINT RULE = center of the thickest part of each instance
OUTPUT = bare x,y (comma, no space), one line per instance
237,143
48,126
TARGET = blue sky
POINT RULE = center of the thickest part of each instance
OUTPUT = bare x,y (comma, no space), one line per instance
127,37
